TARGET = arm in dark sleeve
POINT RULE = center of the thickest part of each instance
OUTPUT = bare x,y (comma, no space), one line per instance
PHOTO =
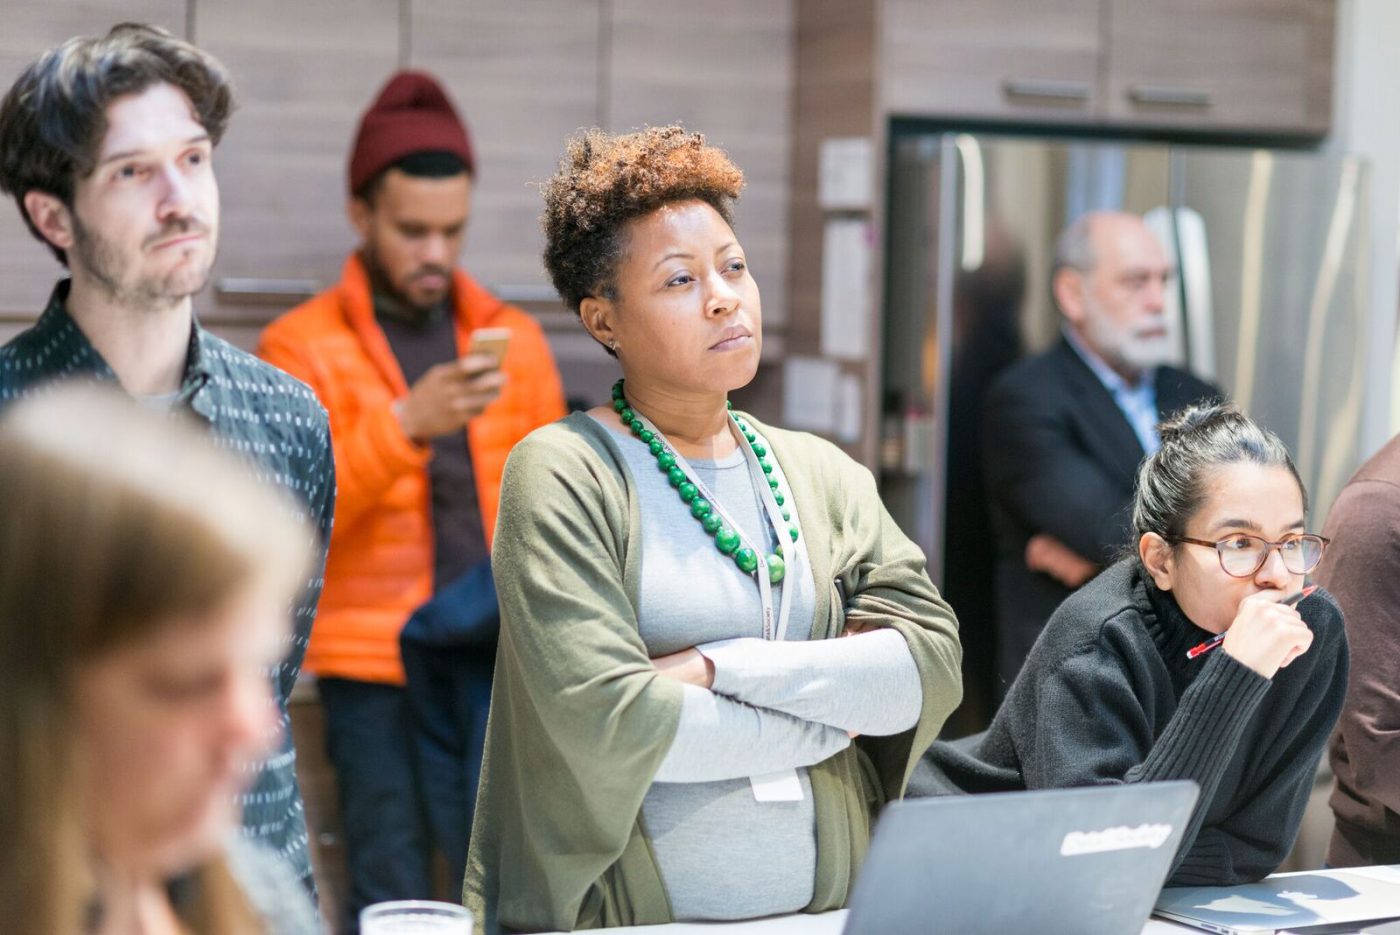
1094,727
318,478
1038,474
1252,841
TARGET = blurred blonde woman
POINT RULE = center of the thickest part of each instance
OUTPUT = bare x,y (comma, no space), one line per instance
144,584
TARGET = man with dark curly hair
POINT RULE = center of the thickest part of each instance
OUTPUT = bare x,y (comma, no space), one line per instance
672,720
106,145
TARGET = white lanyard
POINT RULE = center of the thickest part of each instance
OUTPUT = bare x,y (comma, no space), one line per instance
775,519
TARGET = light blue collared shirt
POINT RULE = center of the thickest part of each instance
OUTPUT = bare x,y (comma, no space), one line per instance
1138,403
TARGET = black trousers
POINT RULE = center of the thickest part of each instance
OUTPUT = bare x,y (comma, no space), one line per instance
369,736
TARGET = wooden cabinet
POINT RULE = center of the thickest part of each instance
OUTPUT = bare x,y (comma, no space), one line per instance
27,268
1018,61
524,77
1243,66
1262,65
724,68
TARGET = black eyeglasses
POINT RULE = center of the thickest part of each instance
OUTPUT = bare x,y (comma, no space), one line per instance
1241,555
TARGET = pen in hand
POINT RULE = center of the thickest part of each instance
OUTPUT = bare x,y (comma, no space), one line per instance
1200,649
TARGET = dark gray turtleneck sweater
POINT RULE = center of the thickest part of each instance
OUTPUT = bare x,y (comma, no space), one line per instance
1108,696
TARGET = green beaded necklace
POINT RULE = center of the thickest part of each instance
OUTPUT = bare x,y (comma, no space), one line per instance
726,537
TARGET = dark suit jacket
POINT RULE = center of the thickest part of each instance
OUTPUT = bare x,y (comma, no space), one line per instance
1060,458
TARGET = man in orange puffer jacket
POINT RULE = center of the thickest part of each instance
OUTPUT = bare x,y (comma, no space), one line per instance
421,428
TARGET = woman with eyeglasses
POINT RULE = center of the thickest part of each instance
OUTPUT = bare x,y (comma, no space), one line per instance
1129,681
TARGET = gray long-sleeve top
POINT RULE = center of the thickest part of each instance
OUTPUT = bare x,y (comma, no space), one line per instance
774,705
779,705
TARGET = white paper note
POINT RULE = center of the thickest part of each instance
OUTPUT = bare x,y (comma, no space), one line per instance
845,288
782,786
849,417
809,394
846,173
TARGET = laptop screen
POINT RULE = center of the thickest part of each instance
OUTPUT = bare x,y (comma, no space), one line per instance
1072,861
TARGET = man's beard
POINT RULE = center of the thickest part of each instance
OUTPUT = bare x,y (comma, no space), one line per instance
103,262
1120,345
402,303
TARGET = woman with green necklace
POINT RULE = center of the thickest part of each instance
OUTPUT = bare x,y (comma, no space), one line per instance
675,732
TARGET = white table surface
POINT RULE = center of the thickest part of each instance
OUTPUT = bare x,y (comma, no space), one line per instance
826,923
830,923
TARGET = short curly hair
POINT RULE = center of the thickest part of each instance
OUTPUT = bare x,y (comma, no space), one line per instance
605,181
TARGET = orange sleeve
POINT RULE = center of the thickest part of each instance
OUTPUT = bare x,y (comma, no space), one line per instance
370,453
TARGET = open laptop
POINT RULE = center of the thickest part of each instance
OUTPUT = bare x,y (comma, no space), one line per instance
1087,861
1309,903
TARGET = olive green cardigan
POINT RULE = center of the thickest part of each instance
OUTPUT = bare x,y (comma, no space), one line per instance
580,721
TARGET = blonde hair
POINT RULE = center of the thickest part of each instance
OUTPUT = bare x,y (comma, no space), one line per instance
117,522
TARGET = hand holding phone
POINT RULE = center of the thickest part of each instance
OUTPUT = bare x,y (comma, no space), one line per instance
449,395
491,341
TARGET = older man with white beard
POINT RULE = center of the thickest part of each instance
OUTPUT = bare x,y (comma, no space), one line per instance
1065,430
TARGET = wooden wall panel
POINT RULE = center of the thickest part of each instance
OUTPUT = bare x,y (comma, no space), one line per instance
525,78
724,68
27,269
305,70
834,96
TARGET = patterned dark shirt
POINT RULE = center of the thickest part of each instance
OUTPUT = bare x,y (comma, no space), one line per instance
269,418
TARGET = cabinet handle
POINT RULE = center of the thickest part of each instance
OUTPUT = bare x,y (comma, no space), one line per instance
1166,96
523,292
265,290
1048,90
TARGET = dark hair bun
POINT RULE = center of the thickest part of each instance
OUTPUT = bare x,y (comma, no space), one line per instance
1172,482
1197,419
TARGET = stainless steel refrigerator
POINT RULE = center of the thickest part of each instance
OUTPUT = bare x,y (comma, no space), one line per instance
1271,250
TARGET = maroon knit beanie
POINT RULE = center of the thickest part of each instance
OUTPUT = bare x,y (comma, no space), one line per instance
411,115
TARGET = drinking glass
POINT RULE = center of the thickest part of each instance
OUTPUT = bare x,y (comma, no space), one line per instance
415,917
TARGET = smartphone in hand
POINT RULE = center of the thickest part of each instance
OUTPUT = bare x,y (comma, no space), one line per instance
490,341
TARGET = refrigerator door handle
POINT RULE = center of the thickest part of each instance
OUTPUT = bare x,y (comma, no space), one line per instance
1193,266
